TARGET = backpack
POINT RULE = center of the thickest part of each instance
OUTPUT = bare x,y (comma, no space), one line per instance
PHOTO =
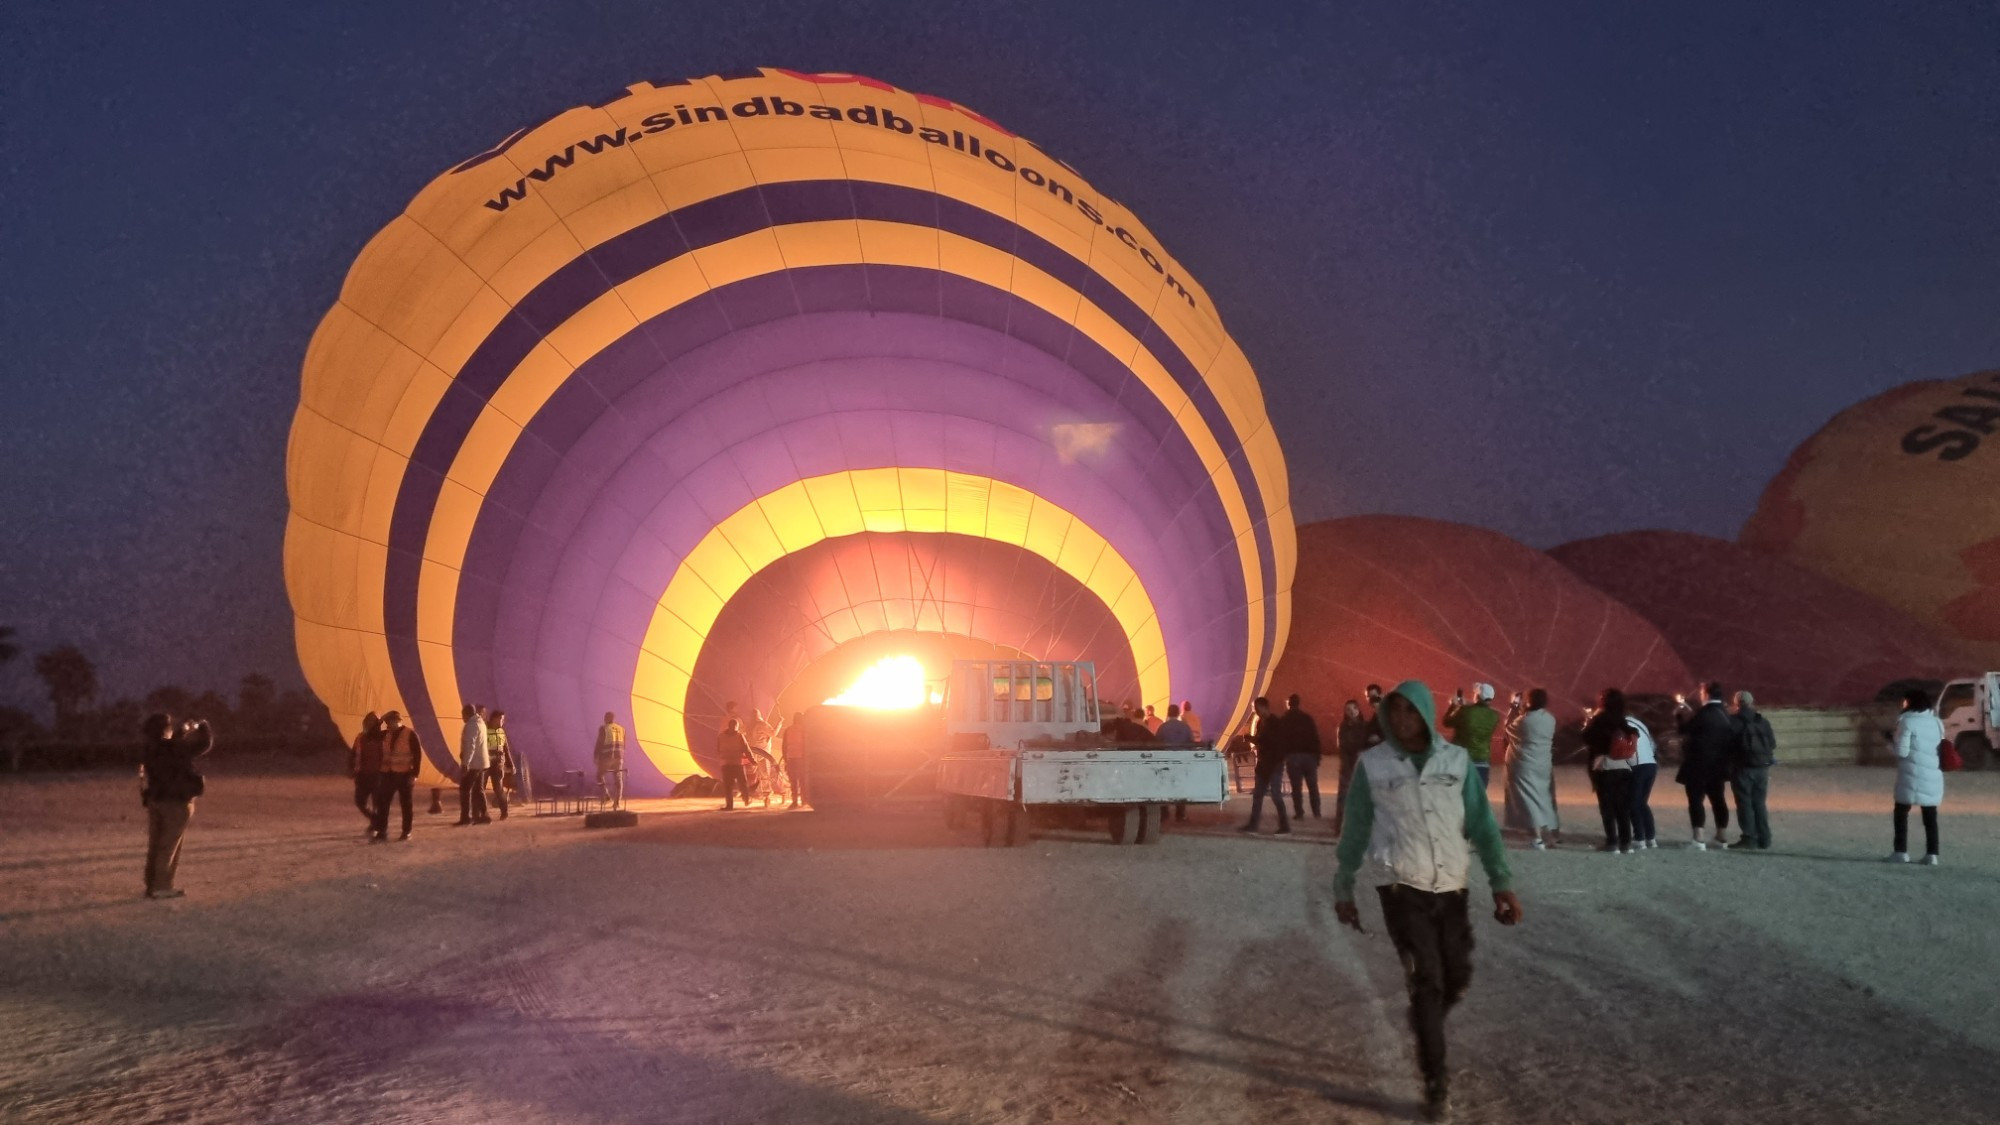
1624,745
1948,757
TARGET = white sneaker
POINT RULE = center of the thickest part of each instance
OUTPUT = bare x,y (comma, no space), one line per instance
1896,857
1537,844
1653,843
1931,860
1697,845
1720,844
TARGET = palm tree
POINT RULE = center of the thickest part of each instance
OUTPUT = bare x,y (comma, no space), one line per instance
71,680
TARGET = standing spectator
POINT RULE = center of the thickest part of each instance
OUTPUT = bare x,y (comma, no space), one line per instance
1241,753
1374,697
733,748
1175,731
765,778
472,759
364,765
1350,740
1708,741
1611,746
1531,755
1151,721
1919,778
1418,811
1191,719
1472,726
609,757
172,784
1756,749
1267,738
402,757
1302,754
795,758
499,759
1645,770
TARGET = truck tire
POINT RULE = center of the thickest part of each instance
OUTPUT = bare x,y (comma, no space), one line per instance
1125,823
1016,826
1976,751
1152,823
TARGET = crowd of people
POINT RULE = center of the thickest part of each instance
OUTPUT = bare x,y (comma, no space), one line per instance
749,761
1727,749
387,755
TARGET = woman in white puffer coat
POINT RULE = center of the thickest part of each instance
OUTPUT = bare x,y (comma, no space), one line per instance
1919,780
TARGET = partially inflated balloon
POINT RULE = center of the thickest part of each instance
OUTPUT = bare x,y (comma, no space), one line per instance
1386,598
1899,497
672,399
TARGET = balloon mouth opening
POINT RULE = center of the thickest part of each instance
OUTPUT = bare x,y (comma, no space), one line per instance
893,683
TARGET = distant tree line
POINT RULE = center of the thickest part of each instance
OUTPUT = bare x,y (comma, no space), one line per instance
86,732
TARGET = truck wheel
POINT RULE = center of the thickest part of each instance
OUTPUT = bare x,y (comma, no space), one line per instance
1152,822
1017,826
1125,821
1976,751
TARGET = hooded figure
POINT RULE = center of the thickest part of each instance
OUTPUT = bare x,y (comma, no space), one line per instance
1415,811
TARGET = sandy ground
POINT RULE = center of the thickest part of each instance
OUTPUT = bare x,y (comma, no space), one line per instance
799,967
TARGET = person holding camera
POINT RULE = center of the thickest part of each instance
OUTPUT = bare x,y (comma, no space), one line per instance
170,786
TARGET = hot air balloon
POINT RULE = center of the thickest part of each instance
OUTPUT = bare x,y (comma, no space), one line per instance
1758,623
700,392
1899,497
1386,598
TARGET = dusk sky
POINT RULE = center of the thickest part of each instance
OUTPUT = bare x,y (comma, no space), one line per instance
1555,269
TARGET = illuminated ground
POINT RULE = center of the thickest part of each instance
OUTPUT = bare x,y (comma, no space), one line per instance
772,967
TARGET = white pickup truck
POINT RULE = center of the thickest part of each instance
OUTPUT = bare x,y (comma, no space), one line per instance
1970,711
1025,746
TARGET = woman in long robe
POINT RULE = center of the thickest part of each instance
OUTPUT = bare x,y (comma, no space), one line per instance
1531,790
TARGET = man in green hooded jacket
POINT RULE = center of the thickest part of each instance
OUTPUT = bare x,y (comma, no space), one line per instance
1414,812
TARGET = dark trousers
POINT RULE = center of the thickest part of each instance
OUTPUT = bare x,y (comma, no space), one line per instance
394,786
1433,937
1303,770
1346,775
166,826
1614,804
364,794
1930,829
498,777
1712,793
1753,787
1642,801
795,772
1271,780
471,795
734,782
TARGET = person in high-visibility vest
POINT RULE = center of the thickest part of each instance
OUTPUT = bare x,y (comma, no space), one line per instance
611,760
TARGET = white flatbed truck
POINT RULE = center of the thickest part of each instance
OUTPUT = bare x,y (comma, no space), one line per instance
1970,711
1025,745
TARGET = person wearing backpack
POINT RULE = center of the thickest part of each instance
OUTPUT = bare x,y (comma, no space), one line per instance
1611,746
1756,751
1919,778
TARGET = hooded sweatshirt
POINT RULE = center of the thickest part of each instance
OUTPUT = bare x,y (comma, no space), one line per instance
1417,832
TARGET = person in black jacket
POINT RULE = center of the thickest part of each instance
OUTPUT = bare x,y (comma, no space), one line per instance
171,786
1708,742
1268,734
1302,753
1752,756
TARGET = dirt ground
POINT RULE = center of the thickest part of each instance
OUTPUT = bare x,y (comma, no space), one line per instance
768,966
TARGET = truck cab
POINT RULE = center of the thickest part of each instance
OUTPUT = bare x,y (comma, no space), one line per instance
1970,712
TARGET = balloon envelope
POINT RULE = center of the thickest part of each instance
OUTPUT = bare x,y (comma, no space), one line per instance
1761,624
1899,497
597,380
1380,599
